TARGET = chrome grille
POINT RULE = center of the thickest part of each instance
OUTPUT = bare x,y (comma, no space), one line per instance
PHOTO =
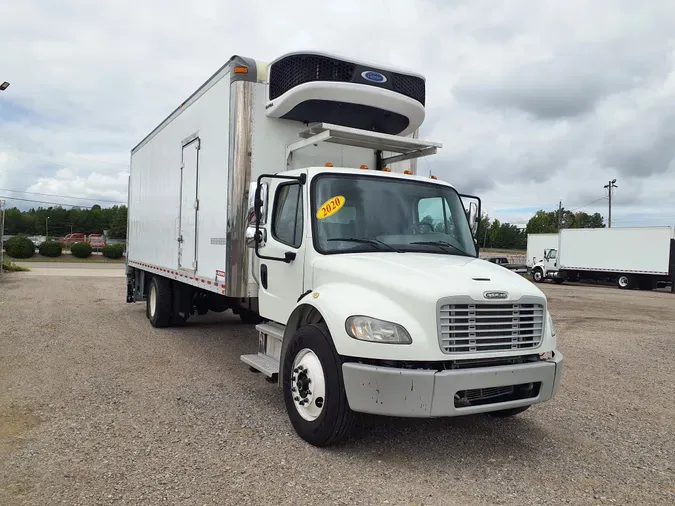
472,328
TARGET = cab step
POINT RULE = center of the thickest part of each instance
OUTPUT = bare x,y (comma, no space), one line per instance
273,330
263,363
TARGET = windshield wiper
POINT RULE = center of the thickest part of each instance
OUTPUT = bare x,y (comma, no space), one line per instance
444,245
373,241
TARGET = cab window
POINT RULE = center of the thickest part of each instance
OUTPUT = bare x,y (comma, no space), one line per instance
287,219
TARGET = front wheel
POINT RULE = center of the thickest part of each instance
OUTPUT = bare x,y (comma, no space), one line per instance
538,275
313,388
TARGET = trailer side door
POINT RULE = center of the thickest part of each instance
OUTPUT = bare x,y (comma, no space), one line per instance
189,205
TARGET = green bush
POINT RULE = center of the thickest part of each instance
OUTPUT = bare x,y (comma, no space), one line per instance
20,246
81,249
50,249
113,250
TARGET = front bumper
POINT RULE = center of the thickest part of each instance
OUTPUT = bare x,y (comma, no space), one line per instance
426,393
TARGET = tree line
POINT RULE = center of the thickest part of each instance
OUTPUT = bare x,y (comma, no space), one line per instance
59,221
494,234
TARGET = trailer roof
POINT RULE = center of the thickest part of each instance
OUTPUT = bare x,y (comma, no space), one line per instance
235,60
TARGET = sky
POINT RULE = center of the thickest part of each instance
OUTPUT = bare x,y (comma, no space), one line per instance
535,102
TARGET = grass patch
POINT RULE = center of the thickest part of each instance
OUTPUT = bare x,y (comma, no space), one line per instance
68,258
9,266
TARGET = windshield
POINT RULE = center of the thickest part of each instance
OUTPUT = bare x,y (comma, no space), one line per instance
369,213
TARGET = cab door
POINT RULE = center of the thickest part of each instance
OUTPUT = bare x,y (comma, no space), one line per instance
281,255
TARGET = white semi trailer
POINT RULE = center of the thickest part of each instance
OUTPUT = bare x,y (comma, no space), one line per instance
287,193
632,257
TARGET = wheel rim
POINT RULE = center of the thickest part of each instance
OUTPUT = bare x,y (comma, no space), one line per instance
153,300
537,276
308,385
623,281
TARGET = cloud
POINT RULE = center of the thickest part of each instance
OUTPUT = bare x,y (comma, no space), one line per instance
534,102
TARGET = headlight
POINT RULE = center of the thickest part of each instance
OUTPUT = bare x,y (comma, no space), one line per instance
365,328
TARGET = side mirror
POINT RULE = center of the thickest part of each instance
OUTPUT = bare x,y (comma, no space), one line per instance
473,217
257,214
260,202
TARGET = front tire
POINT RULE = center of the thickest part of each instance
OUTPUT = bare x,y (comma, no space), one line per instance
313,388
538,275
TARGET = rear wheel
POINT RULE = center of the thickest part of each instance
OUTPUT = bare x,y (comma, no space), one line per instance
624,281
313,388
159,303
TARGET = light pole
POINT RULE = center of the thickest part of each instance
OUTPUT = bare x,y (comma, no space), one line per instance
609,187
2,232
47,228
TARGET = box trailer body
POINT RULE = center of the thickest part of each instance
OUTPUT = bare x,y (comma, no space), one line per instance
287,192
633,257
537,244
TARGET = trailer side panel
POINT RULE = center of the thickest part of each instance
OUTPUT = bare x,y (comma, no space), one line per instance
643,250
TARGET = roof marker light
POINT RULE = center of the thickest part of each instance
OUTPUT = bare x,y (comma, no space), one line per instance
409,172
240,70
433,177
386,169
328,164
364,167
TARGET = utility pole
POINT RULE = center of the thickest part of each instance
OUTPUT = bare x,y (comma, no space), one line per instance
559,215
2,232
609,187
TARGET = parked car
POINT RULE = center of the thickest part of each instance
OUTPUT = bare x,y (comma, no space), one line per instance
504,262
73,238
97,241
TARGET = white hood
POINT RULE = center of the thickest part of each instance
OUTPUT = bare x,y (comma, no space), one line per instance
422,275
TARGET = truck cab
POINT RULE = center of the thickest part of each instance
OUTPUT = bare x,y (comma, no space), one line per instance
547,267
373,290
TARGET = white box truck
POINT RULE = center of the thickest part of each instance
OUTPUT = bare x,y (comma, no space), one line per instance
536,245
632,257
287,193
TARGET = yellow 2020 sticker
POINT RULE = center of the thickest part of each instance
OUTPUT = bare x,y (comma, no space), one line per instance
330,207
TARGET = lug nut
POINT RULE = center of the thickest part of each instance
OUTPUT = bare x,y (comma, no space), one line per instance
296,398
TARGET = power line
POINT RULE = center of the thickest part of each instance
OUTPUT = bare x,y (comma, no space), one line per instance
43,202
586,205
62,196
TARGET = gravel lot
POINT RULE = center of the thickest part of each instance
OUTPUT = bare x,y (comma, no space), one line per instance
97,407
